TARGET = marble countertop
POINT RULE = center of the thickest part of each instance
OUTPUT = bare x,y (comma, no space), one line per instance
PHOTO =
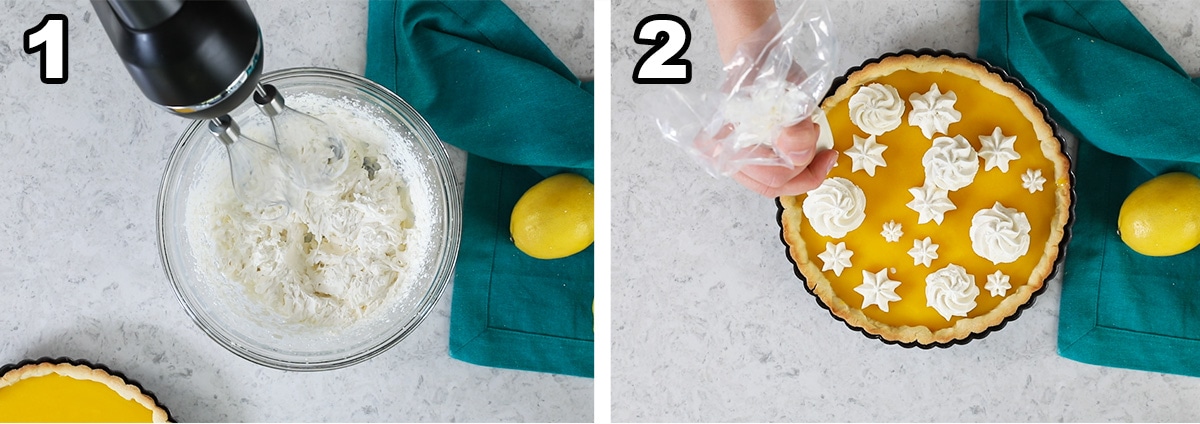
710,323
80,274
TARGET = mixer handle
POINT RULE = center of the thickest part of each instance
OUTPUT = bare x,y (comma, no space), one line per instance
197,59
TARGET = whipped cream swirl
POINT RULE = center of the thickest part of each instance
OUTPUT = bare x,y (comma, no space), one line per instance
835,208
951,291
951,163
876,108
1000,234
933,111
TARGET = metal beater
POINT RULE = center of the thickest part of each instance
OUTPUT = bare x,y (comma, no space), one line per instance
201,60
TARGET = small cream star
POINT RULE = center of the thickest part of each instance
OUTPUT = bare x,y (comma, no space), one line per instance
997,150
1032,180
866,154
891,232
930,203
933,111
997,284
877,289
836,257
923,252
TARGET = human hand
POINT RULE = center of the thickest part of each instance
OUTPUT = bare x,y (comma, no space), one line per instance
747,26
798,143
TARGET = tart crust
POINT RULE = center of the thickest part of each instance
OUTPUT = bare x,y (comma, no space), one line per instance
791,216
86,373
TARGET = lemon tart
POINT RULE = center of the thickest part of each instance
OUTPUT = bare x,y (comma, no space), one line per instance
72,391
948,208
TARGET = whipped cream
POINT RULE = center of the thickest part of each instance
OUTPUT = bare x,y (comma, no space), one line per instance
877,289
891,232
758,109
338,258
1000,234
931,203
951,291
835,208
923,252
836,257
951,163
1032,180
997,284
876,108
824,134
866,154
997,150
933,111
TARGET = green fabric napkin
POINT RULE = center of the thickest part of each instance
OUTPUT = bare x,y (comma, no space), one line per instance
1107,80
489,86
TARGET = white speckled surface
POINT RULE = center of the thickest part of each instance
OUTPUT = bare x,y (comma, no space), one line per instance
710,323
80,274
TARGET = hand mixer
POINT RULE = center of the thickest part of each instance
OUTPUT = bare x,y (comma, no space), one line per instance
201,60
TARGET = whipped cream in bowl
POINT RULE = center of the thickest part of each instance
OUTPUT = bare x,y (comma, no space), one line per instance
349,272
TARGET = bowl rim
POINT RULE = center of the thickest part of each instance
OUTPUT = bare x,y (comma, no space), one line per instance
451,220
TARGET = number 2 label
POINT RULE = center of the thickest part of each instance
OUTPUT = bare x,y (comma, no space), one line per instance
662,64
50,39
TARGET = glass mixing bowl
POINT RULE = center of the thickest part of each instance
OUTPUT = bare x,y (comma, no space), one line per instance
251,330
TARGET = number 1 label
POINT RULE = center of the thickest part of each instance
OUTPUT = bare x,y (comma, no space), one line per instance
50,39
670,37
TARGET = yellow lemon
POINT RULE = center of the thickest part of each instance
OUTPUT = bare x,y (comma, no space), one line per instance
554,218
1162,216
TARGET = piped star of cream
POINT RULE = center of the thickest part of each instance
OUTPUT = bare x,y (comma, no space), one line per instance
866,154
997,150
891,232
933,111
997,284
836,257
877,289
931,203
1032,180
923,252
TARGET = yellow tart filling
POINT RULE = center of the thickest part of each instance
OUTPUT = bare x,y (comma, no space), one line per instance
72,393
880,246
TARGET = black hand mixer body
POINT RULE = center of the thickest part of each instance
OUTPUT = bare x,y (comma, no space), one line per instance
201,60
197,59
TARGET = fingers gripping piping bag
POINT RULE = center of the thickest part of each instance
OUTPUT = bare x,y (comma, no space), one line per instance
776,79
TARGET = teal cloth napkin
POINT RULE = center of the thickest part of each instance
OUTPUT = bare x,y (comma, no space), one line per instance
489,86
1106,79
